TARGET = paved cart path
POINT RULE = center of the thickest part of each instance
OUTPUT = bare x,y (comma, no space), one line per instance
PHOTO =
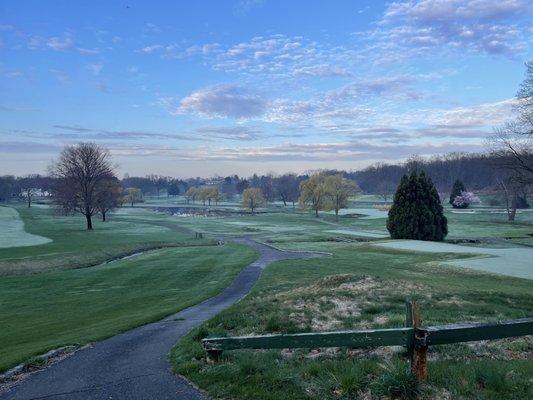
134,364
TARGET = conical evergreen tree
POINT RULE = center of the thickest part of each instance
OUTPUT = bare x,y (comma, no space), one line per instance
417,212
457,188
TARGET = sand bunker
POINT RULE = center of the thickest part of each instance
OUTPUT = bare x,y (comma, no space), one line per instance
12,233
509,261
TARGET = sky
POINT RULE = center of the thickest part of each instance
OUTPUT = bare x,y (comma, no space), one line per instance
205,88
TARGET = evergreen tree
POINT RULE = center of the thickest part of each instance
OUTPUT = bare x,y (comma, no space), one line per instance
457,189
417,212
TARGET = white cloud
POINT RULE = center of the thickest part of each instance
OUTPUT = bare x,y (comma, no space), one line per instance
480,25
221,101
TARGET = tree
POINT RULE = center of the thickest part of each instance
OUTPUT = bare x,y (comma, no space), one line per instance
512,144
28,187
204,195
252,198
133,195
242,185
81,172
465,199
416,212
338,191
288,188
108,196
174,189
457,189
313,193
266,184
384,189
191,194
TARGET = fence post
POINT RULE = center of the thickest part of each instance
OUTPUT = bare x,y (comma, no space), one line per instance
417,346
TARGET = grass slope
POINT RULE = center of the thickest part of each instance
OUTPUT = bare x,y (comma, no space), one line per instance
361,286
43,311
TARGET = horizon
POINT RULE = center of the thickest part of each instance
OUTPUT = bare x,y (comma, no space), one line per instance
252,86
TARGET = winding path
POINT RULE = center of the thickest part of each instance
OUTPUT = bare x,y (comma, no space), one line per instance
134,364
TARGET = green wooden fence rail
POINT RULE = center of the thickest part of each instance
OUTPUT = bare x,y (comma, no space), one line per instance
414,336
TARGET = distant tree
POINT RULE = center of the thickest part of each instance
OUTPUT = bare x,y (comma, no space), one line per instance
7,187
133,195
216,195
242,185
288,188
29,186
174,189
108,196
384,189
159,182
252,198
338,191
465,199
81,173
204,194
266,184
228,186
313,193
416,212
457,189
191,194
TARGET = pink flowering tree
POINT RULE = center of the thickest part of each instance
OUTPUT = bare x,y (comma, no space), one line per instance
465,199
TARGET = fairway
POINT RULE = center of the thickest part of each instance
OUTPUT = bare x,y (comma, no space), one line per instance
13,234
514,261
53,309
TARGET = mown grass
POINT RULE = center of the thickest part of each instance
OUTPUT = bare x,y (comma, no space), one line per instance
362,287
44,311
126,232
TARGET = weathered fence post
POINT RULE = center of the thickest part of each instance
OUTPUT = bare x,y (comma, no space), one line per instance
417,345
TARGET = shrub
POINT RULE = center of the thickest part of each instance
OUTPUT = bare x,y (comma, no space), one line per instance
416,212
465,199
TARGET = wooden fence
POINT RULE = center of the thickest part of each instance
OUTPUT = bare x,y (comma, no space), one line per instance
413,336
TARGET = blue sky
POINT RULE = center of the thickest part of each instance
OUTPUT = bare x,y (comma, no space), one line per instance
221,87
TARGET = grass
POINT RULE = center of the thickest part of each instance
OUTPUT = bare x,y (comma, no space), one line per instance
44,311
127,231
48,299
363,287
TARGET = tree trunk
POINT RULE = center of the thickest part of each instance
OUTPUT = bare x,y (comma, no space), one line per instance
103,216
89,222
316,212
337,215
29,200
132,203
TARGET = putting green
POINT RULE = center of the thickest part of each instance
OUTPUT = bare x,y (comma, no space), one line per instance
13,234
514,261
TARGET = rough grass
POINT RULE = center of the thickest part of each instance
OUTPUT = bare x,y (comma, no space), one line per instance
361,287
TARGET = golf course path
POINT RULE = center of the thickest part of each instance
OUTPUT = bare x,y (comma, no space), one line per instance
134,364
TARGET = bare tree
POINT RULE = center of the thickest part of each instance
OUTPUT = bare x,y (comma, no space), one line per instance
512,145
81,172
109,196
288,188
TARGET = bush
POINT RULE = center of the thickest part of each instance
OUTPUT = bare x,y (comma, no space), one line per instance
416,212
